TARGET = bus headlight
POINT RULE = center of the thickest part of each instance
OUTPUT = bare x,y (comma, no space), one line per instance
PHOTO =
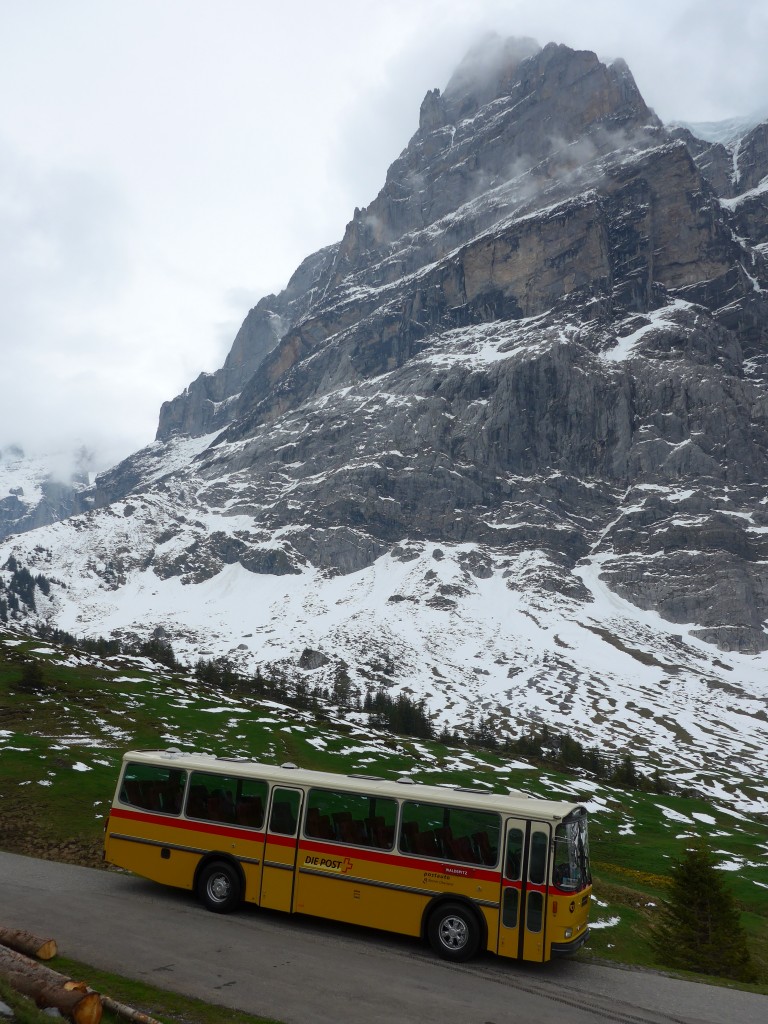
568,932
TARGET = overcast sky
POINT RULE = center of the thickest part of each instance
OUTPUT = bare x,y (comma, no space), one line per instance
165,163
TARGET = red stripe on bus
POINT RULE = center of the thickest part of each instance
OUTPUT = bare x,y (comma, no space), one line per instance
435,866
191,826
529,886
277,840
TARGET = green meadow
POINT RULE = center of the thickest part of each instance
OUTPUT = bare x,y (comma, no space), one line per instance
62,738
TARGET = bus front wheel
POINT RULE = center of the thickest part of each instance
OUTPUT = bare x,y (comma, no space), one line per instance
219,888
453,932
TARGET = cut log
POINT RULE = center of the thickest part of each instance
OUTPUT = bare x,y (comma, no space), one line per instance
81,1007
77,986
10,960
26,942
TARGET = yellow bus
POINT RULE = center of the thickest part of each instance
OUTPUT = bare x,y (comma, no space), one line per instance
465,869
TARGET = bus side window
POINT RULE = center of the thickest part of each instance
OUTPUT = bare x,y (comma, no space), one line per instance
444,832
514,856
285,812
153,788
214,796
354,819
537,871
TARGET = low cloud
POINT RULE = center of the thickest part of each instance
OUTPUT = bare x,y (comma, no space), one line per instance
63,265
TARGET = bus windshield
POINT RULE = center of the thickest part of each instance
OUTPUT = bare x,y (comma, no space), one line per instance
571,870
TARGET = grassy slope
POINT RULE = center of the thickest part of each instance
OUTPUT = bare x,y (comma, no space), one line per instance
60,750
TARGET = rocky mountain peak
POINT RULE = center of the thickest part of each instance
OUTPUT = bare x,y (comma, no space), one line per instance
515,121
509,106
488,71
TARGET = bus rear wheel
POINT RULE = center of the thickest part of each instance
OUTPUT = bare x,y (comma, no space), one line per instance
219,888
453,932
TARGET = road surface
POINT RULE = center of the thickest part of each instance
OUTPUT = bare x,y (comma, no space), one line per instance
304,971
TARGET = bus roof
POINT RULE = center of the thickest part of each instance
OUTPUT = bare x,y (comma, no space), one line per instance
371,785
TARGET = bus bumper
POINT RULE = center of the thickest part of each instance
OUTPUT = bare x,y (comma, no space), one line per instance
568,948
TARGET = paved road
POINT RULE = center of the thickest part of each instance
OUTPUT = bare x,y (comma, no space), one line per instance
303,971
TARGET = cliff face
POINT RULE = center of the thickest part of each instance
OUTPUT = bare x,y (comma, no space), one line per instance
543,344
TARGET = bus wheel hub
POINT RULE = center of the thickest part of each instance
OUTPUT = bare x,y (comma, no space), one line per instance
453,932
218,887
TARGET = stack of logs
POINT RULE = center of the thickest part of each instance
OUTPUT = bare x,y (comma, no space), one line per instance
20,953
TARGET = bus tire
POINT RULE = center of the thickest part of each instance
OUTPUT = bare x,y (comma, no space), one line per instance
219,887
453,932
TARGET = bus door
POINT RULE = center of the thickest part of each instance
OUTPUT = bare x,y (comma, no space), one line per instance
280,849
524,889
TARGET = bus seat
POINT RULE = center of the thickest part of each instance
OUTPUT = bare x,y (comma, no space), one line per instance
444,836
282,820
196,802
214,809
132,793
250,812
408,833
382,836
318,825
172,800
353,831
338,818
461,849
484,848
154,798
426,842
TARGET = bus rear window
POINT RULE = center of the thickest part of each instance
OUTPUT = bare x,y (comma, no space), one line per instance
153,788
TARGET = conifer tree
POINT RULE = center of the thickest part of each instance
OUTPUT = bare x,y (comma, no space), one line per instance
32,677
699,927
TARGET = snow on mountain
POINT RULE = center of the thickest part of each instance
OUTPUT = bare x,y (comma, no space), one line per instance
726,132
40,489
476,633
503,446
